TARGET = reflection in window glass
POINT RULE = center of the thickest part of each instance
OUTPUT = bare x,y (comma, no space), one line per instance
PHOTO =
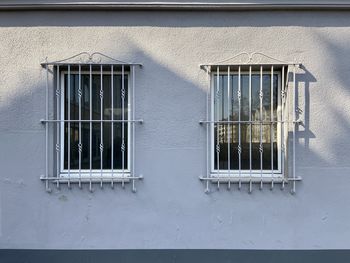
249,111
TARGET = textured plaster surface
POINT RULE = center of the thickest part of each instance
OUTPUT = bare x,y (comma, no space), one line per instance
170,209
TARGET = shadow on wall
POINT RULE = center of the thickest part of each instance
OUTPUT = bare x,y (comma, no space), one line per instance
335,97
175,18
25,106
303,81
327,108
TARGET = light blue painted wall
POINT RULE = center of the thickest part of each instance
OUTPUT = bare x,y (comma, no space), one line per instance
170,209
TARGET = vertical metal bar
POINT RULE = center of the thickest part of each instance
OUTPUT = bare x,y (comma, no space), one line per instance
90,139
287,116
239,128
282,127
69,101
112,126
58,116
229,100
288,113
294,124
261,149
80,146
133,129
272,130
250,127
208,70
217,124
123,125
47,131
101,124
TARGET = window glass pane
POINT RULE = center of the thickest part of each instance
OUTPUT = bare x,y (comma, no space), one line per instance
85,100
234,98
234,116
255,100
221,114
251,135
117,112
266,101
255,146
85,141
245,139
274,147
275,96
221,138
245,97
96,126
96,101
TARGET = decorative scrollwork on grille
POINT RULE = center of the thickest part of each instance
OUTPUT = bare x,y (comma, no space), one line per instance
123,93
80,147
283,94
239,149
217,148
122,147
88,58
80,92
261,94
254,58
261,148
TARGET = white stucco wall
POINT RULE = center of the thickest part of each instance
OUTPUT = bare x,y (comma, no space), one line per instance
170,209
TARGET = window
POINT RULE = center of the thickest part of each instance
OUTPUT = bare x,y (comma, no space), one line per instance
97,101
248,123
260,103
93,121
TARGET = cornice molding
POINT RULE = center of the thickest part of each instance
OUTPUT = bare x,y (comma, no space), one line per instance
259,5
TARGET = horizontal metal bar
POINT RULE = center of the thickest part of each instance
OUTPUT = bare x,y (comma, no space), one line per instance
205,66
88,121
96,179
248,122
248,179
114,5
44,64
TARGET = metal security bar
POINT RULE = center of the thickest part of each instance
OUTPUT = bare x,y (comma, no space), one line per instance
257,146
77,118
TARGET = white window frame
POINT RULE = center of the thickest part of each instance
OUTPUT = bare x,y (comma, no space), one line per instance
85,173
279,173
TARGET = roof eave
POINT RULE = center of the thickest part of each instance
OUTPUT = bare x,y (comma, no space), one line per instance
171,6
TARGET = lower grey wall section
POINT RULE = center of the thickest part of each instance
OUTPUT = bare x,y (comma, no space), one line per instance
174,256
170,209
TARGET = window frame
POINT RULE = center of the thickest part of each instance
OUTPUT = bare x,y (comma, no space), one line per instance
245,173
85,173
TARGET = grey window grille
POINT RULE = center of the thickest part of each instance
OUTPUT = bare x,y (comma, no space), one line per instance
251,122
90,120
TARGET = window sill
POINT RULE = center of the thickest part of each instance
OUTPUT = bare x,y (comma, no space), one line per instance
93,179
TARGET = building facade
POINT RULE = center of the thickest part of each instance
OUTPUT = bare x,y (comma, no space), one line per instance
260,89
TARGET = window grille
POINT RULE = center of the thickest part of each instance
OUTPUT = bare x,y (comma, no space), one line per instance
251,122
90,120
